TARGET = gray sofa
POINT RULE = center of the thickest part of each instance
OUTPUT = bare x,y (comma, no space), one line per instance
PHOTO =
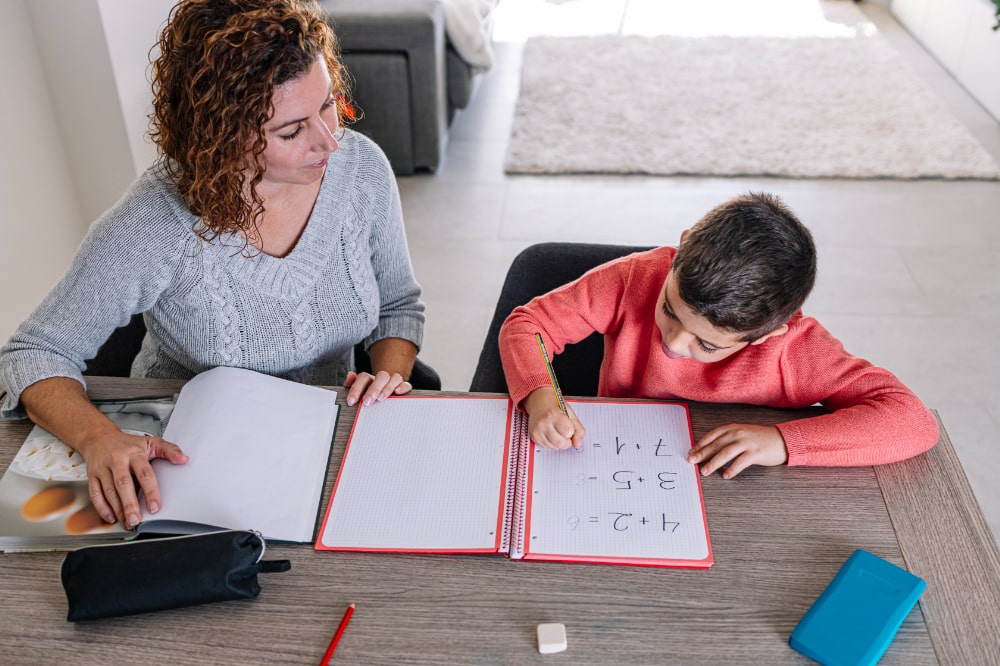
407,79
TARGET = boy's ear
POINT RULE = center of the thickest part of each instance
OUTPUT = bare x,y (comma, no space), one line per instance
781,330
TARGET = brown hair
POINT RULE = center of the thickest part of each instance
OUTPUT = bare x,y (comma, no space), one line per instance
747,266
213,84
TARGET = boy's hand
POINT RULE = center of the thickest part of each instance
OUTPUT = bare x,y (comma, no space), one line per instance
547,425
739,445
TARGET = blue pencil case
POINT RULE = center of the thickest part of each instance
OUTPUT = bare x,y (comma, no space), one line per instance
856,617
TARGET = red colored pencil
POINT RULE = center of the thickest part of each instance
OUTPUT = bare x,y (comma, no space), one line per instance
336,636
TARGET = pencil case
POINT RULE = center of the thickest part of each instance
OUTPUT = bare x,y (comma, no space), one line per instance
158,574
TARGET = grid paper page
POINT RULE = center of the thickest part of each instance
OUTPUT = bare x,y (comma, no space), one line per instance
628,493
421,474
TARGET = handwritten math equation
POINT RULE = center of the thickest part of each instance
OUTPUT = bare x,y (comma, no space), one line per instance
631,484
627,479
622,446
621,522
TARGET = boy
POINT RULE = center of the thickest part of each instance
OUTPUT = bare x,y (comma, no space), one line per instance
717,320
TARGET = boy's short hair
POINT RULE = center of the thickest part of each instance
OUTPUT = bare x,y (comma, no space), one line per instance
747,266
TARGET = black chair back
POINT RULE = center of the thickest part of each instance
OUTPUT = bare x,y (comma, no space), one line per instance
536,270
114,358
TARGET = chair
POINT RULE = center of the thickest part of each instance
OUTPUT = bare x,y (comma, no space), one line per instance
114,358
408,79
536,270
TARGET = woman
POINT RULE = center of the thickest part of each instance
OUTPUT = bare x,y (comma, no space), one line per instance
266,237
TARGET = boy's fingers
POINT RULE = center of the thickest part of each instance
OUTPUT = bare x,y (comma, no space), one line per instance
742,461
721,457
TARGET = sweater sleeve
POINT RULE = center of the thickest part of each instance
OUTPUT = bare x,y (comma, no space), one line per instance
563,316
401,312
119,270
874,418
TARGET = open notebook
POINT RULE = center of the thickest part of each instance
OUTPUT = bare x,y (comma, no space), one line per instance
450,474
258,445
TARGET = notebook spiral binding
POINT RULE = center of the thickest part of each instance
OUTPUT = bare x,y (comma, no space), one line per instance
517,486
510,492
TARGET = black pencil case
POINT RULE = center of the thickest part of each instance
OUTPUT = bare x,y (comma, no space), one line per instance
157,574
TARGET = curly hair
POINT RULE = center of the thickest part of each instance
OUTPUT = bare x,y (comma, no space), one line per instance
213,82
747,266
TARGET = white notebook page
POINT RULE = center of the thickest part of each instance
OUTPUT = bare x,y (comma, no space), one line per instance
628,493
259,448
421,474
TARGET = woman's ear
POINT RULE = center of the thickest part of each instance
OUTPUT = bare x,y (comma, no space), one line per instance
781,330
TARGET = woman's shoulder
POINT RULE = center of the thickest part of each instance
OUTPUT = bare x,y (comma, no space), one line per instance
357,156
358,175
150,215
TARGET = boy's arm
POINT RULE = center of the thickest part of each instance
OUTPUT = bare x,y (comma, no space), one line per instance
563,316
874,417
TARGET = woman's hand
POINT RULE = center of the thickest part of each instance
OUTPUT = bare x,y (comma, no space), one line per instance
740,446
547,425
374,388
115,463
392,360
115,460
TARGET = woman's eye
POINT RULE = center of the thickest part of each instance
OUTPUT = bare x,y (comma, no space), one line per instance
289,137
707,349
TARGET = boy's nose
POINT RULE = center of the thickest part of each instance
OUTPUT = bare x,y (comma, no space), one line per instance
676,342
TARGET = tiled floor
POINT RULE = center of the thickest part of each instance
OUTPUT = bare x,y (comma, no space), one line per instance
908,271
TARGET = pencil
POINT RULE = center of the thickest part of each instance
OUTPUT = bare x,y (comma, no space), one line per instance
552,374
336,636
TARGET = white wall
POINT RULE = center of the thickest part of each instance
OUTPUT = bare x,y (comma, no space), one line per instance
74,115
74,55
131,28
41,220
959,34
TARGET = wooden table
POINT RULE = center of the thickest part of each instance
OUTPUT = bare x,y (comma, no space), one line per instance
778,536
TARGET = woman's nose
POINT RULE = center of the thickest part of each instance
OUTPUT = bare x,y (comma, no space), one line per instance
327,140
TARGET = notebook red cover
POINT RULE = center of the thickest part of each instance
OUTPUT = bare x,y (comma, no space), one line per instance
458,474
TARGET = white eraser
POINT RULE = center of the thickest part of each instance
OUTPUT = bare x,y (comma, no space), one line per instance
551,638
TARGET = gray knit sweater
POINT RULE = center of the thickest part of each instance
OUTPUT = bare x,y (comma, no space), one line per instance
348,279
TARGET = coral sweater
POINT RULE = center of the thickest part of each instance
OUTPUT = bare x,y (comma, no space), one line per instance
874,418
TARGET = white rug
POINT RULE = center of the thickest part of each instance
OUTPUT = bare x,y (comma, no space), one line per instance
809,107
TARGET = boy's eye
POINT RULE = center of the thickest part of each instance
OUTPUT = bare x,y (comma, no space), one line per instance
705,348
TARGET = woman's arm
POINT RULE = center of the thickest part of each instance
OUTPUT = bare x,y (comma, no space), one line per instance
115,460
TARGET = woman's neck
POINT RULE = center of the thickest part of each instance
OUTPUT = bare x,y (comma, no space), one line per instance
286,214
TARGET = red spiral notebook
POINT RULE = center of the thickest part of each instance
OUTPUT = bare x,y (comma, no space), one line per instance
457,474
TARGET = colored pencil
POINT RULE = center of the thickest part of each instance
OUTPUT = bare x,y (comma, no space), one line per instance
552,374
336,636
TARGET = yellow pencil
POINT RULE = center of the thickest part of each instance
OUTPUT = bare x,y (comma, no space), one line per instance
552,374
